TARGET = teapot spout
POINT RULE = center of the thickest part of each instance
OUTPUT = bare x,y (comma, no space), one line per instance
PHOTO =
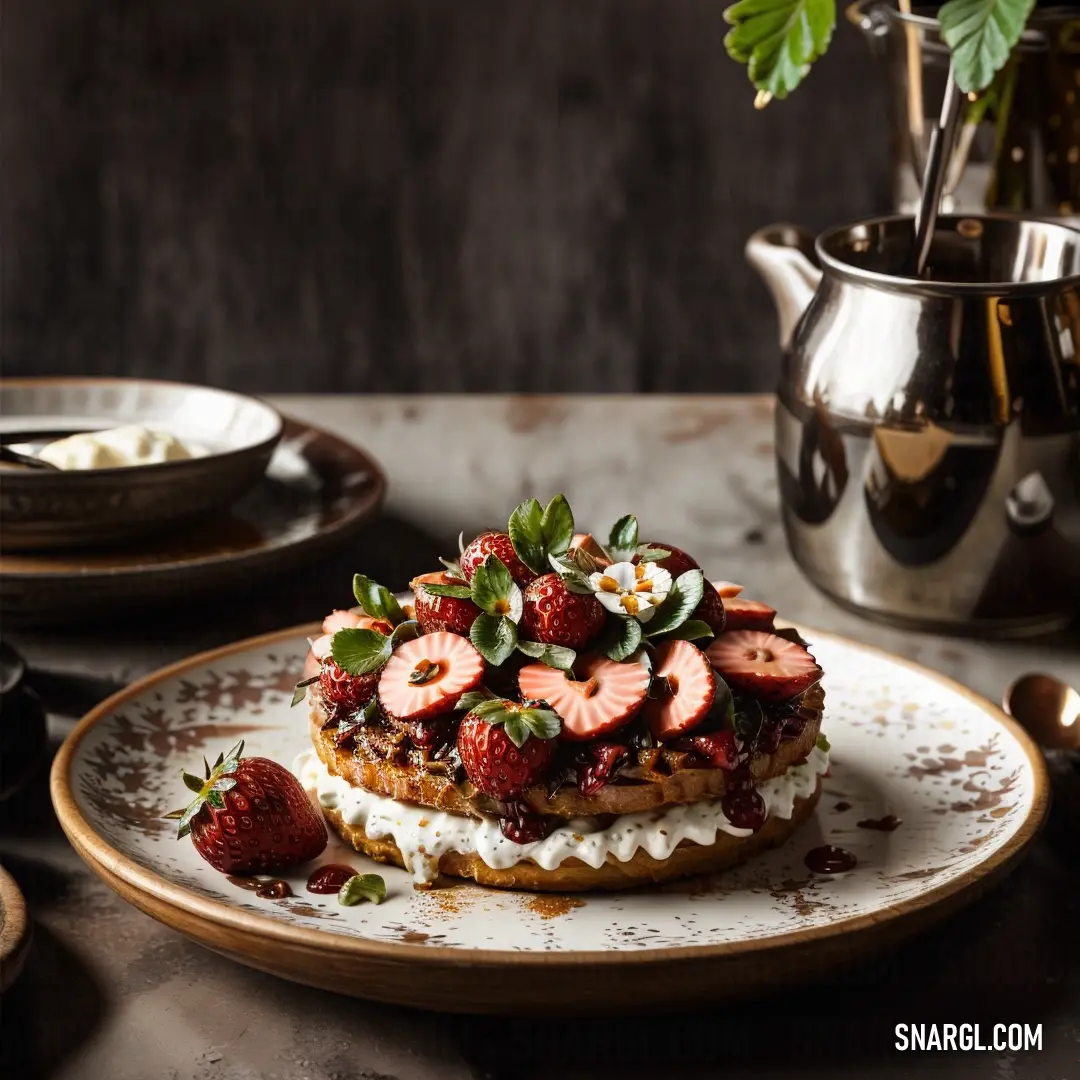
784,257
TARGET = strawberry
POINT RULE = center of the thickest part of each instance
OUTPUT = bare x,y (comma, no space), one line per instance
345,620
506,747
250,815
342,692
765,665
552,614
711,610
433,613
598,697
717,747
587,543
727,588
743,614
593,775
500,545
425,676
688,686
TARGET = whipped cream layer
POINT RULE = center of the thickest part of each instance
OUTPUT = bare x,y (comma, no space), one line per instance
423,835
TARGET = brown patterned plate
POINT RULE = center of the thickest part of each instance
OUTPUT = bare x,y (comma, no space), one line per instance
15,932
317,491
963,784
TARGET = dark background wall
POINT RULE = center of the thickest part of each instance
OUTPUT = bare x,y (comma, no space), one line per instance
408,194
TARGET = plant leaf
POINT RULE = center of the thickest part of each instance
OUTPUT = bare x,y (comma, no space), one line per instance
620,637
360,887
378,601
778,40
494,637
543,723
685,595
981,35
556,656
690,630
823,744
557,526
299,693
517,731
470,700
495,591
453,568
194,783
527,534
574,580
623,539
404,631
358,652
461,592
648,553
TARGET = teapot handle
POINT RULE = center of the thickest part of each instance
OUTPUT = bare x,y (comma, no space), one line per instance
784,257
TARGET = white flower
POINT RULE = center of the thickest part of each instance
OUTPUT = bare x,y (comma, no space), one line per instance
627,589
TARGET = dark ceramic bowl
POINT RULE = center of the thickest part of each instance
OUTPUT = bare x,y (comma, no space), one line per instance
52,509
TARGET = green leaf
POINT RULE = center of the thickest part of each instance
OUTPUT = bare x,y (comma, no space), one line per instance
495,591
299,693
527,535
378,601
981,35
648,553
556,656
557,526
823,744
358,652
679,604
690,630
460,592
361,887
516,729
494,637
215,799
368,712
623,540
573,578
620,638
543,723
473,698
778,40
453,568
193,782
404,631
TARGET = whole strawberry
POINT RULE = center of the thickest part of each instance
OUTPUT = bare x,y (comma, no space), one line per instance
551,613
499,545
342,692
250,815
505,746
711,608
434,613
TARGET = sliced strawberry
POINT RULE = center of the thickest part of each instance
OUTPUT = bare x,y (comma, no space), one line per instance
500,545
602,696
687,686
435,613
762,664
347,620
426,676
588,543
743,614
320,647
727,588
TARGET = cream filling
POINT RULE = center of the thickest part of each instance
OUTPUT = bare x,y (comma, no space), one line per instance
423,835
115,448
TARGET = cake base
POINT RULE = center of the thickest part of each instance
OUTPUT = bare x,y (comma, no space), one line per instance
576,876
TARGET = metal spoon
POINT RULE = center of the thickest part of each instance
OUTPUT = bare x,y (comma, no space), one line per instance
1048,708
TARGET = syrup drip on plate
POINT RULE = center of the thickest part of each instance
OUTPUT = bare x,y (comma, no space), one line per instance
830,860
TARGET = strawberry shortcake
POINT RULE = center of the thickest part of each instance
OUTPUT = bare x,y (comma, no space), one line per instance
551,712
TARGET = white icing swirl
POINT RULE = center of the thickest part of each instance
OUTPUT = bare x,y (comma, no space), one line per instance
423,835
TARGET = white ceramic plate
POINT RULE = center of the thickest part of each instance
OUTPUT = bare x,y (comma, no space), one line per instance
966,782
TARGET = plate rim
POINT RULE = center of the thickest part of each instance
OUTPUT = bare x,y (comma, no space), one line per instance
16,929
94,849
291,427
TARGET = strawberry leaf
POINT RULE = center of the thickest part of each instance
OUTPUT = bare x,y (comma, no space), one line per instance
359,652
403,632
543,723
193,783
453,568
516,729
527,535
557,526
623,540
473,698
981,35
778,40
648,553
494,637
460,592
495,591
620,638
299,693
378,601
573,578
690,630
685,595
361,887
823,744
556,656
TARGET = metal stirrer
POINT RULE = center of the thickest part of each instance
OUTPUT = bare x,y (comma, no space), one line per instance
942,138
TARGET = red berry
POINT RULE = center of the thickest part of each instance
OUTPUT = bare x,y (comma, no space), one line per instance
500,545
711,608
434,613
267,821
717,747
342,692
743,614
594,775
495,765
763,664
687,685
427,675
551,613
601,695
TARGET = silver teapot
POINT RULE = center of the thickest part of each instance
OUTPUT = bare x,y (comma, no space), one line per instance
928,430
